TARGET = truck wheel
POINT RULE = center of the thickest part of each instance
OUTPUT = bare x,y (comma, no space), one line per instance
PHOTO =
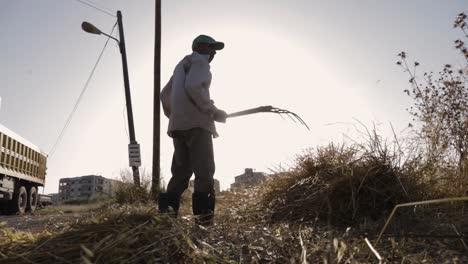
20,200
32,199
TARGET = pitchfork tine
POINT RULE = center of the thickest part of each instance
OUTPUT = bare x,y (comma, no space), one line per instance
279,112
299,119
289,115
302,121
270,109
279,115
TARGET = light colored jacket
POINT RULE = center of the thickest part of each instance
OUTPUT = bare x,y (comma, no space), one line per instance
186,97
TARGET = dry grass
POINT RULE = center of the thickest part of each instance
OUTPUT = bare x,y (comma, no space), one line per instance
128,193
244,234
138,234
319,212
341,185
123,234
358,181
54,209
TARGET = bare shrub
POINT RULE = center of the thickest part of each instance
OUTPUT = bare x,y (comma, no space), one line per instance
441,107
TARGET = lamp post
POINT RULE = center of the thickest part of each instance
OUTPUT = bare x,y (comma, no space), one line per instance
133,147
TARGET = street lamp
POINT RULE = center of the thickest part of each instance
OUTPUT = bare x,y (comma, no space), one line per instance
133,147
90,28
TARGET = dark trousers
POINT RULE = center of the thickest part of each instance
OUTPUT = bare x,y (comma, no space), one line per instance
193,153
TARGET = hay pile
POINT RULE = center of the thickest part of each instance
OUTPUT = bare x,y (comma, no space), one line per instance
125,234
351,188
137,234
342,185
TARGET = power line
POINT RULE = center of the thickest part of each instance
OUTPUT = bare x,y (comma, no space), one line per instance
94,5
97,8
70,117
101,6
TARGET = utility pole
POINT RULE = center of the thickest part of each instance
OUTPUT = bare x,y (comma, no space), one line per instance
133,147
156,107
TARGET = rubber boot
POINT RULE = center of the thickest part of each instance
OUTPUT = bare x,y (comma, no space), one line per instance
203,206
169,203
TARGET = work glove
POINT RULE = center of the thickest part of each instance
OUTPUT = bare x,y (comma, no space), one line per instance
219,116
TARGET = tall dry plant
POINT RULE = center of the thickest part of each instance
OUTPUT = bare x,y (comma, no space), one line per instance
441,105
348,183
127,192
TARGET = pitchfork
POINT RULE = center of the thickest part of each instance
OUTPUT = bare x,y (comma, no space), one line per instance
270,109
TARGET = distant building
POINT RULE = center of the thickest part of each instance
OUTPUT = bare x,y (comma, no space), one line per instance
248,179
86,186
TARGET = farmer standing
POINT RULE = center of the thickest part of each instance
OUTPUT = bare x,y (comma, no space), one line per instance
186,102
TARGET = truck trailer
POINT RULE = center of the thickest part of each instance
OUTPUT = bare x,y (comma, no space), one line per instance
22,171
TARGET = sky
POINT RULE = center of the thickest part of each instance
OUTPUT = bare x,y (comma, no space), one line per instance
332,62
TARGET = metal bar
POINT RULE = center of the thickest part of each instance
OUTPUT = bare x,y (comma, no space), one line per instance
445,200
15,156
424,236
109,36
2,154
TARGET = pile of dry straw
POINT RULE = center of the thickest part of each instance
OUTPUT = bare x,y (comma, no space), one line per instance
320,211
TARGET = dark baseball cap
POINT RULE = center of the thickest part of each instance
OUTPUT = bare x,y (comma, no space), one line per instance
207,40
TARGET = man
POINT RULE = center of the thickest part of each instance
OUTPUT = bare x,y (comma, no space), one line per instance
186,102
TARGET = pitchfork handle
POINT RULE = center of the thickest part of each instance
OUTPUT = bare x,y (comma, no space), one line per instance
260,109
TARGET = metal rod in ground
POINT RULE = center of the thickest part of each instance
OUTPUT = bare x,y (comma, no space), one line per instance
390,218
444,200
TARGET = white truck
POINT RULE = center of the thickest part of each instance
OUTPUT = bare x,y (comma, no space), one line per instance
22,171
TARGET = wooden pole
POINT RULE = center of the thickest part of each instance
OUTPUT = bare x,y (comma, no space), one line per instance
156,107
